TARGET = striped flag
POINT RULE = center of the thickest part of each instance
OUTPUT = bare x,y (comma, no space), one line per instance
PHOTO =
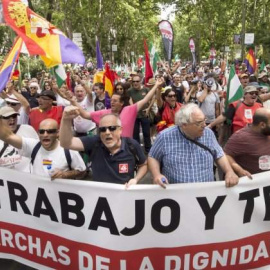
234,88
263,67
60,74
250,61
7,67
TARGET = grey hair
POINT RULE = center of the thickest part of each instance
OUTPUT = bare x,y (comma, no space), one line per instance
184,115
112,114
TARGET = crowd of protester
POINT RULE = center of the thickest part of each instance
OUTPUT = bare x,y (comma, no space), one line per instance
175,125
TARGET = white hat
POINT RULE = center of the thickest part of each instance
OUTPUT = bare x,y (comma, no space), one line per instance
12,99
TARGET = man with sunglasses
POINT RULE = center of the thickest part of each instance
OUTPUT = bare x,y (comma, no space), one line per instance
136,93
114,158
45,110
241,112
10,156
48,158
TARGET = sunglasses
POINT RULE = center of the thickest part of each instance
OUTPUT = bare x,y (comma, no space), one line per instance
13,116
171,96
110,128
49,131
135,81
44,98
12,104
253,93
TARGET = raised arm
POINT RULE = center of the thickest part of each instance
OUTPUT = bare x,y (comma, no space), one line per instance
150,94
67,140
24,102
8,136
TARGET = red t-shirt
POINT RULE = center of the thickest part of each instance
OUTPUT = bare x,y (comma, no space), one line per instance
36,116
250,149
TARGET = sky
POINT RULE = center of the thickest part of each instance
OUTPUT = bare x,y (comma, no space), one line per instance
167,12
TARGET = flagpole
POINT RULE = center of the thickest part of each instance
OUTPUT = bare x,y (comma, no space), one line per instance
244,5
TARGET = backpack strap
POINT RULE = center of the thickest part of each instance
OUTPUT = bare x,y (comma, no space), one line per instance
68,158
37,147
132,149
34,152
3,149
6,144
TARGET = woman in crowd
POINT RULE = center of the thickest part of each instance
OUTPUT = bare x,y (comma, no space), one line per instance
167,106
121,89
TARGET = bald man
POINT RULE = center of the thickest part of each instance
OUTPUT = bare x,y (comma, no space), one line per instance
248,150
48,158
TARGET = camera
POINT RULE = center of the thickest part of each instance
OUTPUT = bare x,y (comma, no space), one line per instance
194,82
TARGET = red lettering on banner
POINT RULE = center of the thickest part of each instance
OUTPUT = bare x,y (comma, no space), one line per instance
60,253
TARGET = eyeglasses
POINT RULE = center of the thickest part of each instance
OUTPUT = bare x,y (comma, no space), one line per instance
200,123
253,93
135,81
12,104
49,131
110,128
13,116
171,96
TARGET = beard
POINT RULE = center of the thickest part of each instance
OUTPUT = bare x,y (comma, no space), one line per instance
266,131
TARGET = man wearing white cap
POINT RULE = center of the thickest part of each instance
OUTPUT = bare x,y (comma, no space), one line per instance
10,156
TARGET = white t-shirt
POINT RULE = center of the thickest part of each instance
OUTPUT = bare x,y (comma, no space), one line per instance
23,118
82,125
12,157
47,162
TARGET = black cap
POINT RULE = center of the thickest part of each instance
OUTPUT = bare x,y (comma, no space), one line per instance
48,93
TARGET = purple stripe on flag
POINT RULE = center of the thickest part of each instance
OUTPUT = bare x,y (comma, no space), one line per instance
249,66
99,56
6,73
70,52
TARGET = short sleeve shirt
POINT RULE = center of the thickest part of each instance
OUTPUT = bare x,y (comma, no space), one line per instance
127,117
118,168
183,161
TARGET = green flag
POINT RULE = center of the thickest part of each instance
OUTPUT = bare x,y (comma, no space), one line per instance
153,57
262,67
60,74
234,89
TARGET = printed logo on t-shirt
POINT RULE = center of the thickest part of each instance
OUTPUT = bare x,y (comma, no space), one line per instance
123,168
248,114
47,163
264,162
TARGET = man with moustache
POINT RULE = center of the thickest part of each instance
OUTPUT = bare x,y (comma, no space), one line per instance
248,150
241,112
114,158
10,157
186,152
48,158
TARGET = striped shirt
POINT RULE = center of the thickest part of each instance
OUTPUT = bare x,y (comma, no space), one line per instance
181,160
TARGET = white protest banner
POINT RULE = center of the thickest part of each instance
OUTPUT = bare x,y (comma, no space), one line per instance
68,224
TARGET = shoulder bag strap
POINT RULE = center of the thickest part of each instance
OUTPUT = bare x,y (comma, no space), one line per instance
198,143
